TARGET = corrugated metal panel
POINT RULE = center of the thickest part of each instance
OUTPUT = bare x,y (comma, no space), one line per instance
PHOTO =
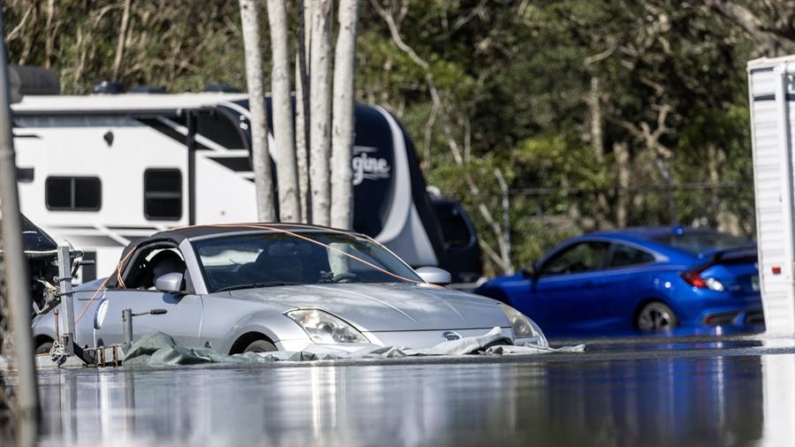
775,234
762,83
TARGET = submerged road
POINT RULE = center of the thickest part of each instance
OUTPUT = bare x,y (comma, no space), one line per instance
689,392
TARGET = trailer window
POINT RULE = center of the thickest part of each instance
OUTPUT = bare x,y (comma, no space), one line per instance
73,193
163,194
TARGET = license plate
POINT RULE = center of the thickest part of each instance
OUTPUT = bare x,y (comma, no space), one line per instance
755,283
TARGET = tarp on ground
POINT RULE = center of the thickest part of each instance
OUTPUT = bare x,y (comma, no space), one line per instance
161,349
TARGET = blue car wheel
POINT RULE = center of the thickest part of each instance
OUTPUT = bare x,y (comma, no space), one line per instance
655,316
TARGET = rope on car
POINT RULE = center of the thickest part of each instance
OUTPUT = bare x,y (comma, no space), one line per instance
102,287
308,239
271,227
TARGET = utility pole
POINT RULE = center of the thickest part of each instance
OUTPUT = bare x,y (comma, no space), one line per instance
17,293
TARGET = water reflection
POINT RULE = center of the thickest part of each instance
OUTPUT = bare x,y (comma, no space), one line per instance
661,401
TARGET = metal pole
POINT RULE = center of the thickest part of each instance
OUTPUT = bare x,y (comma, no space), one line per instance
190,143
126,321
17,292
65,283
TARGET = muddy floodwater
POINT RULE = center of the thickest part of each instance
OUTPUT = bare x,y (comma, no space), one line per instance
683,394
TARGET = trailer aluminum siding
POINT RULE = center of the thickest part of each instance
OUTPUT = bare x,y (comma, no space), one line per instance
772,120
116,139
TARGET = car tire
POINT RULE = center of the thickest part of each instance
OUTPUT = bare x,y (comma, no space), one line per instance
44,348
656,316
260,346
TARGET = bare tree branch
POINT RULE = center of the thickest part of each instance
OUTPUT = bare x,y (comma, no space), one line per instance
429,134
651,138
17,29
125,22
452,144
746,20
477,11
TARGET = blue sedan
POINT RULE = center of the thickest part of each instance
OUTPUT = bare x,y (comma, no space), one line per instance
639,279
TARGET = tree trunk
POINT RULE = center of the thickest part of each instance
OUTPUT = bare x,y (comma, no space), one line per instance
713,164
319,113
302,91
50,34
259,121
301,142
505,243
282,109
125,23
597,142
343,117
622,164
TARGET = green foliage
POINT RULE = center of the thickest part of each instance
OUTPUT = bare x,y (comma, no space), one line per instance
517,83
169,43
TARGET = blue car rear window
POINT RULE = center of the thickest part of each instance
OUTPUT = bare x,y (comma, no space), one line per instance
697,243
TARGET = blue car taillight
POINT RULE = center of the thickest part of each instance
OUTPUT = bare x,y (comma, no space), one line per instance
694,279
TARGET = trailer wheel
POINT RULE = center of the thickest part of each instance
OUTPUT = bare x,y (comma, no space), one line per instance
656,316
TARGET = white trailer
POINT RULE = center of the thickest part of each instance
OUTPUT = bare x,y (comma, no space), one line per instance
103,170
772,101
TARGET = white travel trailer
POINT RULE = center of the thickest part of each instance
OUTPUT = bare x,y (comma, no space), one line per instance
772,99
103,170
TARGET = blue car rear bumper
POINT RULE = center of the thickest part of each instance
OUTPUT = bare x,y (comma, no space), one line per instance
699,307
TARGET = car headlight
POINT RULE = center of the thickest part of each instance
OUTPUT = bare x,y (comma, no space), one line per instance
324,328
522,326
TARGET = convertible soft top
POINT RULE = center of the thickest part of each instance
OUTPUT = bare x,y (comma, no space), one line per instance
177,235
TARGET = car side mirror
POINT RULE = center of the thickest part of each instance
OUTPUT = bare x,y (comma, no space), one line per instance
532,271
169,283
434,275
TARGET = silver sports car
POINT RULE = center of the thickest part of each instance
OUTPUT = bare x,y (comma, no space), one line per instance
263,287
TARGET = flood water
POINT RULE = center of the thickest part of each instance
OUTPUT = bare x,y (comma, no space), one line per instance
699,395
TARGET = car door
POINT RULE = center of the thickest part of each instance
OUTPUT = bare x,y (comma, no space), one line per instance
182,319
625,281
566,291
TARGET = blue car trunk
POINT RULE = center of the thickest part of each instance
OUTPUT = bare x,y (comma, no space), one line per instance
738,278
737,269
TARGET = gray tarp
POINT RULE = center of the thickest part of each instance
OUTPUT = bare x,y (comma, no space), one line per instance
160,349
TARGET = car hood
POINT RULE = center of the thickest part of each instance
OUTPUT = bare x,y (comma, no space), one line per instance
387,307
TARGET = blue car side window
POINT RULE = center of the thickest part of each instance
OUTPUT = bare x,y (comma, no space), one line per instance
579,258
626,256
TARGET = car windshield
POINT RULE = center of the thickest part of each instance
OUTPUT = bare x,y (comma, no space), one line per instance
698,243
276,259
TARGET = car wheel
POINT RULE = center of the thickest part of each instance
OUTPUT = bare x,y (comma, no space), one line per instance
44,348
260,346
656,316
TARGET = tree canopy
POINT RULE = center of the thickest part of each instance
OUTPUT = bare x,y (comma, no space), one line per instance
599,113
